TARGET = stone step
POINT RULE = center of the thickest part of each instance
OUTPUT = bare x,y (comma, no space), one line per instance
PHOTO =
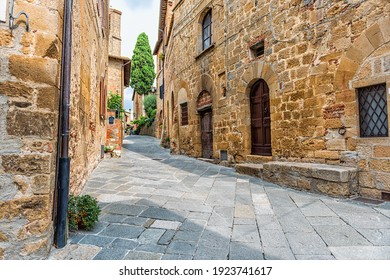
334,180
250,169
258,159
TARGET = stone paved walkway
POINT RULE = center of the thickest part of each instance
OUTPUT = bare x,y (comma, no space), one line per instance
161,206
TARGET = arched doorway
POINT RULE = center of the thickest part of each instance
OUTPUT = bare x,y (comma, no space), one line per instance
204,107
260,119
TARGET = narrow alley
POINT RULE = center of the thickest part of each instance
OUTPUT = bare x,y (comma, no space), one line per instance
161,206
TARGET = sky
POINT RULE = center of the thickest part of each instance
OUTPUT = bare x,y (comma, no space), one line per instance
137,16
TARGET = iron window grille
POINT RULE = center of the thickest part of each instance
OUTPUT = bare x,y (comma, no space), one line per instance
373,111
162,91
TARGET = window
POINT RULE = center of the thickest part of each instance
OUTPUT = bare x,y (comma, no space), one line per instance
257,49
184,113
373,111
206,33
3,11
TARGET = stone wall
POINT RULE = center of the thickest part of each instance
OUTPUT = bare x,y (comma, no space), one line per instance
316,55
29,101
29,95
89,65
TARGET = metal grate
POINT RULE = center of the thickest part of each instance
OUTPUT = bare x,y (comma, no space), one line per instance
373,111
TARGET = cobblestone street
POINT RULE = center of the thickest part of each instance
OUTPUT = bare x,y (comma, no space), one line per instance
161,206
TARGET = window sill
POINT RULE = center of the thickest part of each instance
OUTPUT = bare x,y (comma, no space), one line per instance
205,51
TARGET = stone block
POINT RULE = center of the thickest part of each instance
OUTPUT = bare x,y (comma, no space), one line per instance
380,165
32,208
25,123
381,151
16,89
48,98
333,188
39,70
336,145
5,38
327,154
26,164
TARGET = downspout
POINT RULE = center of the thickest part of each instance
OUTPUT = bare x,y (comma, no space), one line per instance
63,161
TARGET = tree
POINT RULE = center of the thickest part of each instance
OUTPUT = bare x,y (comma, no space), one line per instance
150,105
142,66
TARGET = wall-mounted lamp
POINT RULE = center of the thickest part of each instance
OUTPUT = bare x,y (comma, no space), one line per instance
12,17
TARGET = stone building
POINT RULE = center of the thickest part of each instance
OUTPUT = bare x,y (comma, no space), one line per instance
118,77
297,87
30,86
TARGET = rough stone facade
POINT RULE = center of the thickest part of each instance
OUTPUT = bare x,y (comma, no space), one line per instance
317,54
29,101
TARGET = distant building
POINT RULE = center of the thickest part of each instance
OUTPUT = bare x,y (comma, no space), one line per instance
118,77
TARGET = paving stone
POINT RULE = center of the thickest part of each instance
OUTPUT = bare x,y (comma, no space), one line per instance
123,231
267,222
213,253
379,237
100,241
112,218
317,208
152,248
166,237
193,225
111,254
124,244
361,252
341,235
221,216
245,233
216,237
176,257
125,209
181,247
244,211
367,220
325,221
198,215
314,257
244,221
303,243
136,221
188,235
150,236
273,238
294,221
279,253
162,214
75,252
135,255
166,224
75,237
245,251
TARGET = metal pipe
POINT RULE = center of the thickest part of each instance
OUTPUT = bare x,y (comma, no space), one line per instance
63,160
12,17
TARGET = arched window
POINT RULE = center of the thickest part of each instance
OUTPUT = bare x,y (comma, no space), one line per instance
206,30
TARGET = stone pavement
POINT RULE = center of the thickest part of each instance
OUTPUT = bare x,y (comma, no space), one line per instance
161,206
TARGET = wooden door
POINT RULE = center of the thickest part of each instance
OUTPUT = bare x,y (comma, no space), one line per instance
206,122
260,119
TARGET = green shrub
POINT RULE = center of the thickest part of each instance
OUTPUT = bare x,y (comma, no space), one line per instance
83,212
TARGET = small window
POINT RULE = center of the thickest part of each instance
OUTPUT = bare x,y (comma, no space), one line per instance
373,111
257,49
184,113
206,30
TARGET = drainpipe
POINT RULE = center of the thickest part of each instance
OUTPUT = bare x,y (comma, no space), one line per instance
63,161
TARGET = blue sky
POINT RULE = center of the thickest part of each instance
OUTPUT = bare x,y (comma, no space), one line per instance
137,16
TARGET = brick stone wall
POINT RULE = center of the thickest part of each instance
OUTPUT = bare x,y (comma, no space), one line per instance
29,95
29,102
315,57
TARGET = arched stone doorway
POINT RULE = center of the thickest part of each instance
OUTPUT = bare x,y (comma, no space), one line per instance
204,107
260,119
